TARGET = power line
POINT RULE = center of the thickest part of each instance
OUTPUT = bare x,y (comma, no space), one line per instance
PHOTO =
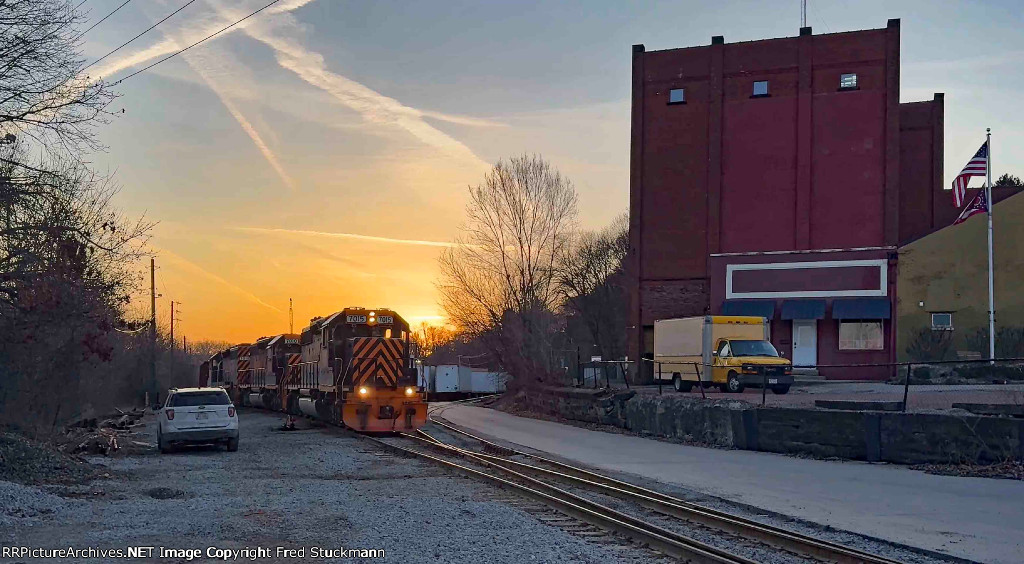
212,35
104,17
150,28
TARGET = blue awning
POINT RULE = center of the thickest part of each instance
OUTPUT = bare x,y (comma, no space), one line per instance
803,309
756,308
861,308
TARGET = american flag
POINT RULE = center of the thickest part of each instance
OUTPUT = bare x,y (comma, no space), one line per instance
978,205
977,166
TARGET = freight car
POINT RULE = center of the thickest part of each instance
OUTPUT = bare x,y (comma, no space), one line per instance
352,367
447,382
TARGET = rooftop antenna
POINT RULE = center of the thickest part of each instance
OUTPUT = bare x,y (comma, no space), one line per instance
803,13
291,317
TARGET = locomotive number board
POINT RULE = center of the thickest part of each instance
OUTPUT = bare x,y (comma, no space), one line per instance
380,319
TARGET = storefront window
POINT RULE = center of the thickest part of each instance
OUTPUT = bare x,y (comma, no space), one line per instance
860,336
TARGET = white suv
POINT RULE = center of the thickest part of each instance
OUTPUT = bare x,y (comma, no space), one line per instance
197,415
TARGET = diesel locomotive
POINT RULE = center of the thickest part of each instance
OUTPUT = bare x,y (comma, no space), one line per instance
352,367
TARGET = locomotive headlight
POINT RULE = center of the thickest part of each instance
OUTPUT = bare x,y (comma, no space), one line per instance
409,391
363,391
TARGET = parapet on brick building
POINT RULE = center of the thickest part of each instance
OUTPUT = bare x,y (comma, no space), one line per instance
779,178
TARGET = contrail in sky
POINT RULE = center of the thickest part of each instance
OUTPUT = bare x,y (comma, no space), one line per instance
310,66
372,105
243,122
348,236
203,272
168,46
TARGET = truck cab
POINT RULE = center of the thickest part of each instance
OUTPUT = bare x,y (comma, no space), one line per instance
740,362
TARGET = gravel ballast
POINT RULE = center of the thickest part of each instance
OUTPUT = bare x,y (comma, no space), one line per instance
316,487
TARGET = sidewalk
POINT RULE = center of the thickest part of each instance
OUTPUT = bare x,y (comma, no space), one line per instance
975,518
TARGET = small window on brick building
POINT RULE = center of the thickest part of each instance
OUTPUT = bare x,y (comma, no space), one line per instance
848,81
677,96
861,336
760,88
942,321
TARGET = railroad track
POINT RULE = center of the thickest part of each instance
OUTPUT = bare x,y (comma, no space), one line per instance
534,480
660,539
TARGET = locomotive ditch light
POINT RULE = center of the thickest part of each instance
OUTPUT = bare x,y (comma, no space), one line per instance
363,391
409,391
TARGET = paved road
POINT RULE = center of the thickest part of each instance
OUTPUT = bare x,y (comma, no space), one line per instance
976,518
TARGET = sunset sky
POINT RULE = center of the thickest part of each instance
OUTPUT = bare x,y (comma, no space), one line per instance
321,150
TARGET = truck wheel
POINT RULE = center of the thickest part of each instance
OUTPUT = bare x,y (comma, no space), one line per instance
780,389
232,445
680,385
733,384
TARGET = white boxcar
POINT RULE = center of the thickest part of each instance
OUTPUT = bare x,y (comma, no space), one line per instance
446,378
465,379
482,382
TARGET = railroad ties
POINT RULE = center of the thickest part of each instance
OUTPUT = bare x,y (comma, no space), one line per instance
617,512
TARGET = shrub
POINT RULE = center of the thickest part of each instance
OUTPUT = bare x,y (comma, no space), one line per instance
929,345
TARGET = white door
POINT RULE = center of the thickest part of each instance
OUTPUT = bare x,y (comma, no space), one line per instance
805,342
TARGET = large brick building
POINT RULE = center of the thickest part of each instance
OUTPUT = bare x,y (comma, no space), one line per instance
779,178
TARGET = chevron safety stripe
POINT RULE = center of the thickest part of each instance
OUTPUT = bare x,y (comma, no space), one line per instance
376,357
292,373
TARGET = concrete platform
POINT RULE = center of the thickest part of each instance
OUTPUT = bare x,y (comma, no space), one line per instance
974,518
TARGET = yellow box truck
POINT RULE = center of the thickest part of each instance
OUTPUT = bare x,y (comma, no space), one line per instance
730,352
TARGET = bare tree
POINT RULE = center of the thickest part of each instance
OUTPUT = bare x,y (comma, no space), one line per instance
590,279
67,255
66,273
429,338
45,95
498,283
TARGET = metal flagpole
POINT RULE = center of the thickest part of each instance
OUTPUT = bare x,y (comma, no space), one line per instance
991,286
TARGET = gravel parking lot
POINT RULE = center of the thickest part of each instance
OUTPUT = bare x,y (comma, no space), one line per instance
315,487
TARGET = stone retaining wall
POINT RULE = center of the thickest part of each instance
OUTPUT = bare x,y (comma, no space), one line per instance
907,438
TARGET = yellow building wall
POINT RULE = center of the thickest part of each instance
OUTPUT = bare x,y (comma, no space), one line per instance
947,271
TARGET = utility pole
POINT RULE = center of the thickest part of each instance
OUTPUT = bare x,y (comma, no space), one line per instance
152,325
172,326
184,344
291,317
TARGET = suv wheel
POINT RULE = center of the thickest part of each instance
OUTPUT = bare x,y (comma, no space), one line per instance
232,445
733,384
160,444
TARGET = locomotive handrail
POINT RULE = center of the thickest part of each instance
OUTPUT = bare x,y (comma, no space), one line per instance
343,376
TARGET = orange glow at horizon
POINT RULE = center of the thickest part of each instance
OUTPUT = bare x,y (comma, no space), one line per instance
235,285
